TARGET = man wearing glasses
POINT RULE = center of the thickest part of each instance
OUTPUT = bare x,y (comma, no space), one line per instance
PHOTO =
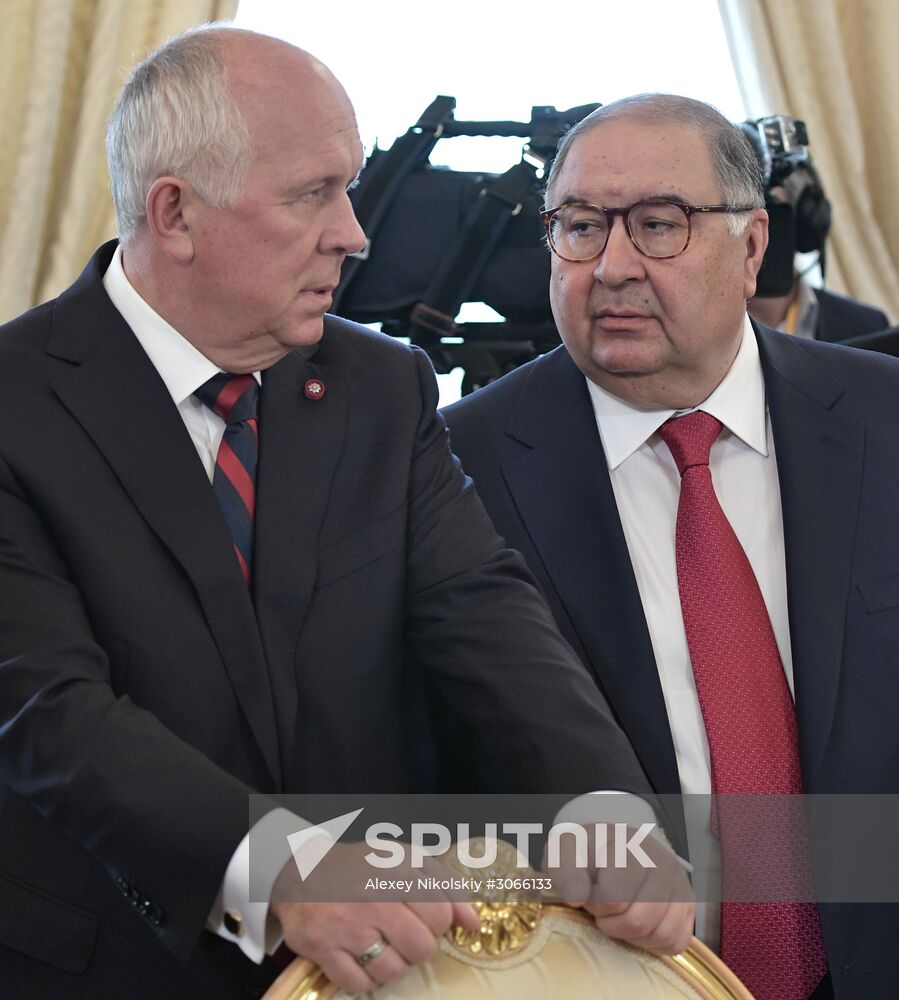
712,509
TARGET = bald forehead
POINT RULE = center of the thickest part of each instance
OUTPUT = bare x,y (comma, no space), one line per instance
256,60
641,132
649,127
275,85
623,161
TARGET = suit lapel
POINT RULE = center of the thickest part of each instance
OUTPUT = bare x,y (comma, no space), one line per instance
819,461
116,395
300,441
561,487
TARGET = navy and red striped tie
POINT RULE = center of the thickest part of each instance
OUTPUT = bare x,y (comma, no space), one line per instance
235,399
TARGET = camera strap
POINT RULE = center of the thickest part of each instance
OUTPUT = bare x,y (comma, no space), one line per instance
498,201
385,173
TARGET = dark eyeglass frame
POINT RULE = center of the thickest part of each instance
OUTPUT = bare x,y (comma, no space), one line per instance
611,213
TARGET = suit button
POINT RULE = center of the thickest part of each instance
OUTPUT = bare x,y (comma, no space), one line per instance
234,923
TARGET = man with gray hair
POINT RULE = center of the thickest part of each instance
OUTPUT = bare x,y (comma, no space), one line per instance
712,510
225,520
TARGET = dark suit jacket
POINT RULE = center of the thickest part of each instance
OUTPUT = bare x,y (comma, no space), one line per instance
531,444
840,317
884,341
143,696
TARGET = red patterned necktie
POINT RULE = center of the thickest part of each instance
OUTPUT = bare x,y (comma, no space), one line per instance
235,398
774,947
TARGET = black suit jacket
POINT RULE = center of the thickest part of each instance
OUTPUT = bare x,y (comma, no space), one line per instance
840,318
884,341
531,444
144,695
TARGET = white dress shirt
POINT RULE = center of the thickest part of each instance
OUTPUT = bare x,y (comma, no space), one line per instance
184,369
646,485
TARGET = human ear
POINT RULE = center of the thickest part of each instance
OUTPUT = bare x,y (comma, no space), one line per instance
167,219
756,241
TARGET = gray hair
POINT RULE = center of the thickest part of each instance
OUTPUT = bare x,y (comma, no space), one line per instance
733,157
175,116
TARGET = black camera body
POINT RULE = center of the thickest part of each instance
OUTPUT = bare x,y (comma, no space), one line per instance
438,238
800,218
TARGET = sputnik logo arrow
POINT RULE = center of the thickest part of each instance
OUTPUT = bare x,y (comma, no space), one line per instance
310,846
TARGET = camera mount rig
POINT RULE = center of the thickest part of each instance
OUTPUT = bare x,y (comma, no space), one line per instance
437,238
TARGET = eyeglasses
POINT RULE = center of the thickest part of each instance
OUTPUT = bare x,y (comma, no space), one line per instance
658,228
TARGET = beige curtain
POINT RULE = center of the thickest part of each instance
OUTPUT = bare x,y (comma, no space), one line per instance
62,62
833,64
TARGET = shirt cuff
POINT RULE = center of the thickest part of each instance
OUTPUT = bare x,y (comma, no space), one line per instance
240,912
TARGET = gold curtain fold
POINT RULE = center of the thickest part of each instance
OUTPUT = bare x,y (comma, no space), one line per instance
833,64
62,63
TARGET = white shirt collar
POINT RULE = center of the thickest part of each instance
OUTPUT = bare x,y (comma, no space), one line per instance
738,402
180,365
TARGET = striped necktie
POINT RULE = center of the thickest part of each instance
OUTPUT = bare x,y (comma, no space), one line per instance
234,398
776,948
